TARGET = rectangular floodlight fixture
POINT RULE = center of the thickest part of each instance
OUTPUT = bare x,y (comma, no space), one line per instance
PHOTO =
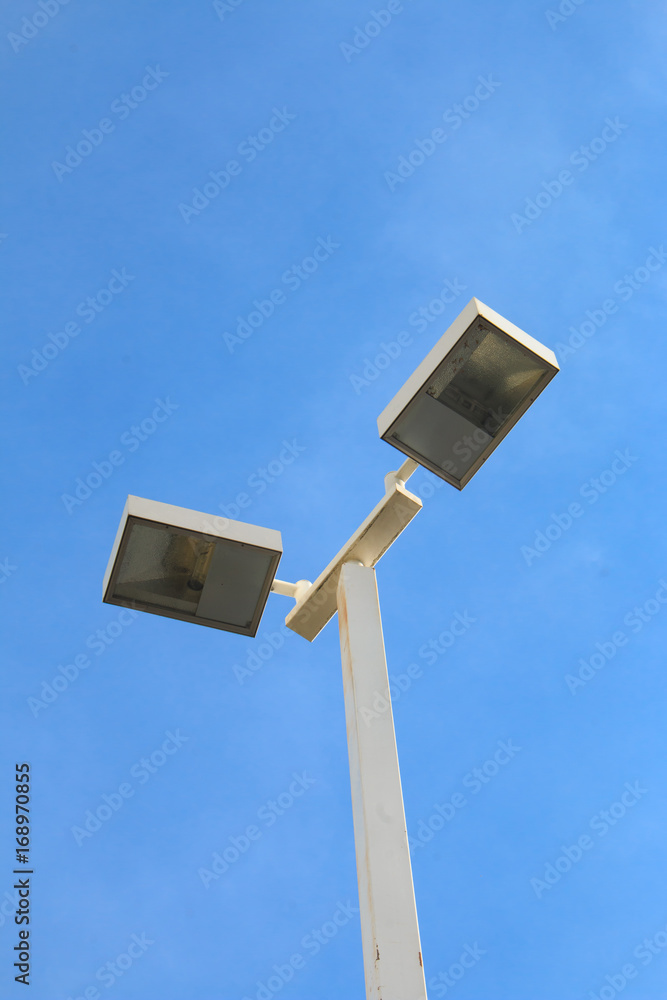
467,394
197,567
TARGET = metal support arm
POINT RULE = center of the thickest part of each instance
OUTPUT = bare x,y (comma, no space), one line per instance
295,590
402,475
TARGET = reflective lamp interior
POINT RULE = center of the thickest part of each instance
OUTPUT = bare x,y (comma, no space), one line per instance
469,400
166,570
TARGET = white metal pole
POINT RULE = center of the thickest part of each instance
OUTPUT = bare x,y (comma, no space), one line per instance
389,930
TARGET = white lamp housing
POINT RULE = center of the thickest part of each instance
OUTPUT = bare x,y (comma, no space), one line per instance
467,394
197,567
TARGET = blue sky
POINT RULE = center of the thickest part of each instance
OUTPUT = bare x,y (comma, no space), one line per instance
511,151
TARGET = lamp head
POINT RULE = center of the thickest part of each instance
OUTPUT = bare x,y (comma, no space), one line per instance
467,394
198,567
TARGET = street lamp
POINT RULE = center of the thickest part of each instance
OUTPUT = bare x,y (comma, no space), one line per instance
183,564
453,411
467,394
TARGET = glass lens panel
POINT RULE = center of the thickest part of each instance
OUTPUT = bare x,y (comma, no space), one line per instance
469,400
487,379
163,567
234,584
441,436
220,581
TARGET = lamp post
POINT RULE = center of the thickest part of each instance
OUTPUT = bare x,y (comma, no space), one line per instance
453,411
